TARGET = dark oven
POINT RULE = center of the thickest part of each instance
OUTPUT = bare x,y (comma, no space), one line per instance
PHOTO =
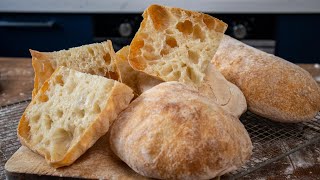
277,34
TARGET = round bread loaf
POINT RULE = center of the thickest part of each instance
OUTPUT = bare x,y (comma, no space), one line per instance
172,132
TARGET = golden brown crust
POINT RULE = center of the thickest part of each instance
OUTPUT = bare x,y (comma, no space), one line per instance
172,132
127,73
120,97
274,88
42,69
44,63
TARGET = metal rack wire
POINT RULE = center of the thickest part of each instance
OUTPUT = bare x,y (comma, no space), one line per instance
267,137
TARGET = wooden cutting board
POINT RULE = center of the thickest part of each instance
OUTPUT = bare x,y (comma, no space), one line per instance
99,162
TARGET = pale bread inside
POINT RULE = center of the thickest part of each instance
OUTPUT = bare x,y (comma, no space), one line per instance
175,44
68,114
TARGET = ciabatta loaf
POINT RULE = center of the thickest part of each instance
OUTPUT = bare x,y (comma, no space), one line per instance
174,44
173,132
274,88
98,59
71,111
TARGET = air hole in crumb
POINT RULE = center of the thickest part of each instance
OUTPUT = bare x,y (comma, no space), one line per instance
185,27
43,98
148,48
71,87
192,75
171,41
101,71
209,22
164,52
59,80
91,71
177,74
62,137
96,108
90,50
107,58
81,130
198,33
38,139
169,31
35,118
59,113
193,56
47,143
47,122
149,56
80,113
166,70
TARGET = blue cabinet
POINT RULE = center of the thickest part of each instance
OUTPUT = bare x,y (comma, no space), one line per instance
43,32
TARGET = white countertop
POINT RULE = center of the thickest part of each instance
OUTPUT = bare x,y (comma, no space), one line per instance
137,6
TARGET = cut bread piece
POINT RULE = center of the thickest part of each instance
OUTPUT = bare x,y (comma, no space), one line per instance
138,81
71,111
175,44
127,73
97,59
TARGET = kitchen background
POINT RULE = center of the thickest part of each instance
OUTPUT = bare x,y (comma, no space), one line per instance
286,28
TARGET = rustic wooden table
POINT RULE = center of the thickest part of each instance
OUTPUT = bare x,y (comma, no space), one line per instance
16,84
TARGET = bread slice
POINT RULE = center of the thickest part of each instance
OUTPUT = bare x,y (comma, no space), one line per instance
175,44
71,111
97,58
137,80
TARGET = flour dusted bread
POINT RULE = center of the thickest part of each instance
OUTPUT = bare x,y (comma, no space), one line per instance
222,92
97,58
214,86
173,132
71,111
146,82
173,44
274,88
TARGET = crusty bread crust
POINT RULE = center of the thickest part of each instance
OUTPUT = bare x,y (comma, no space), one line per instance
127,73
174,44
119,98
222,92
215,86
98,59
274,88
173,132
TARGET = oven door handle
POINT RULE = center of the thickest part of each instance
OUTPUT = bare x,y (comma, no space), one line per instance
20,24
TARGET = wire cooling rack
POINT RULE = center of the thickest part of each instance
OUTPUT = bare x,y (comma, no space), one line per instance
267,137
